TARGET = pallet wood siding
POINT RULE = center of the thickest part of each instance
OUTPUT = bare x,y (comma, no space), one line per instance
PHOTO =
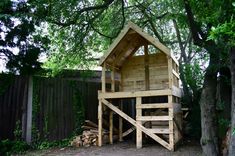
133,73
158,71
55,97
175,71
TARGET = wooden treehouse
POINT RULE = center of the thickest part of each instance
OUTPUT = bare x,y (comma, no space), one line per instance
143,69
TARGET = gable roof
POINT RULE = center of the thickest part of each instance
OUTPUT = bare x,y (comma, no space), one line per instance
125,39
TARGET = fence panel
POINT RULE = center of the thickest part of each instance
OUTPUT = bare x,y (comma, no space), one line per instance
53,105
12,103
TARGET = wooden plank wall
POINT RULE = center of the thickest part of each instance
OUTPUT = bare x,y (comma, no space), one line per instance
55,100
133,72
158,70
175,79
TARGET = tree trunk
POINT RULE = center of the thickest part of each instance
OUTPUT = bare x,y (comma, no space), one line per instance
209,140
187,95
232,140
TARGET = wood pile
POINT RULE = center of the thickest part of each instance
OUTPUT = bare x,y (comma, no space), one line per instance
89,136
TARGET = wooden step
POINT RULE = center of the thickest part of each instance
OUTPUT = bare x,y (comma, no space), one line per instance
154,106
161,126
153,118
160,130
160,123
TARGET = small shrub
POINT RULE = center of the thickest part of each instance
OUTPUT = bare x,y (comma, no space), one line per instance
8,147
48,144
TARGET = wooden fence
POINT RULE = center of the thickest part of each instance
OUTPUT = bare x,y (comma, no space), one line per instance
13,95
53,104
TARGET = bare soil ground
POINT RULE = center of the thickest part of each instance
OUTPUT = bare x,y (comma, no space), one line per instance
121,149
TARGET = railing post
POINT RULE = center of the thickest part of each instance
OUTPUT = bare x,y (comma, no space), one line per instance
120,122
170,77
111,112
113,79
171,123
100,123
103,77
111,127
138,131
146,66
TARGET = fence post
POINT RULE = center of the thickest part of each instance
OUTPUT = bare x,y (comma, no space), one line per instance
24,110
29,111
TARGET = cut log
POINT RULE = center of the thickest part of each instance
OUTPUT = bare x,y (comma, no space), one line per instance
89,136
90,123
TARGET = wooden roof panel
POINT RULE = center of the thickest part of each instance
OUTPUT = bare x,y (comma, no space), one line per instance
128,40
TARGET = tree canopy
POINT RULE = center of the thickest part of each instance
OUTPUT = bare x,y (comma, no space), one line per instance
75,33
20,46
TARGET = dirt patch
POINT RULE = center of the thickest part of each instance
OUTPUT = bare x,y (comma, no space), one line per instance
122,149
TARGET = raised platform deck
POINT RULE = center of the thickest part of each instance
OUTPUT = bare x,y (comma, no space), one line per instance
105,99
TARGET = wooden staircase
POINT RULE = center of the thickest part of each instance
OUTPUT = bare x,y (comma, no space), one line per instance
151,132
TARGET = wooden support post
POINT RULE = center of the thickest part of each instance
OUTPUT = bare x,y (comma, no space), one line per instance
113,79
111,127
120,88
100,111
138,130
170,71
111,112
120,123
171,124
103,78
29,111
146,65
120,120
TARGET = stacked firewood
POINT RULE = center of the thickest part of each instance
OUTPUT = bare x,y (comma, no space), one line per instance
89,136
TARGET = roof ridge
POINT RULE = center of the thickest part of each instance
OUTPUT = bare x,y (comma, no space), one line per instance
155,42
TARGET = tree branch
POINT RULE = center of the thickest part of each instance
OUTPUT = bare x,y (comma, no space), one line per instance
179,39
161,16
74,21
98,7
189,40
142,8
123,14
122,25
193,26
101,34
